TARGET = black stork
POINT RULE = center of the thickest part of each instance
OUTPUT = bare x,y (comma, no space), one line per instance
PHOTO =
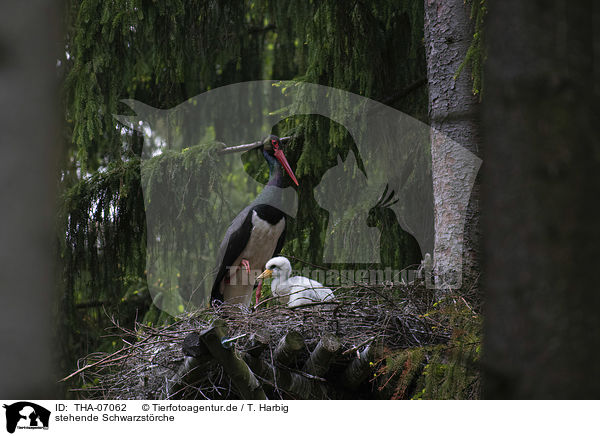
256,234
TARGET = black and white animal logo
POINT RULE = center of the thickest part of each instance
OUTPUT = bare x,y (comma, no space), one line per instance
26,415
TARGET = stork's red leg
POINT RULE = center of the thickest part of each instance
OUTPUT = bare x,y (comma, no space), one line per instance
246,265
258,289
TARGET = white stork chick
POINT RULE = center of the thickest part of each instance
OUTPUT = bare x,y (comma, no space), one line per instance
299,290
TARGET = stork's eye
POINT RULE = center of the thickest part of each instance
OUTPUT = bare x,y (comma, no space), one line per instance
275,143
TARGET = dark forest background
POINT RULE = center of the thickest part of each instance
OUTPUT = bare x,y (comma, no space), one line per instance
73,230
162,53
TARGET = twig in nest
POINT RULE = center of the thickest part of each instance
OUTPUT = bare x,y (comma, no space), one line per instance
362,344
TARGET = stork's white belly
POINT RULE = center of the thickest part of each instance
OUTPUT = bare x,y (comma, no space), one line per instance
260,248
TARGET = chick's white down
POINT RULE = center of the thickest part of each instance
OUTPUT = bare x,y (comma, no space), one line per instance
301,290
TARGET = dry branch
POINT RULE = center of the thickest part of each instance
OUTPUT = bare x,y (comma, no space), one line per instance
292,383
250,146
361,317
241,376
359,369
190,374
258,343
194,347
288,348
321,357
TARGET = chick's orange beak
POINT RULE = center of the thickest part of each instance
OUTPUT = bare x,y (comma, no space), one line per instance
265,275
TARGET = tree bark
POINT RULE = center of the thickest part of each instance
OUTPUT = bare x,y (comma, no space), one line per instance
288,347
358,369
290,382
540,192
241,376
29,117
322,356
259,342
453,113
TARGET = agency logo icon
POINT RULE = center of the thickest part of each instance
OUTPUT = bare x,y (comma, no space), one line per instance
26,415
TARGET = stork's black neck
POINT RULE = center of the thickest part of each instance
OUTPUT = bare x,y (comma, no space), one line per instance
268,213
270,202
276,172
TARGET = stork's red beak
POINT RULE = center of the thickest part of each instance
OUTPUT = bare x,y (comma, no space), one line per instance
284,163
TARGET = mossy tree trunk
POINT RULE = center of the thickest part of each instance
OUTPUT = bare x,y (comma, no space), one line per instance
453,114
541,190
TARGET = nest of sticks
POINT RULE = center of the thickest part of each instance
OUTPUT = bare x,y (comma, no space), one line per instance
266,352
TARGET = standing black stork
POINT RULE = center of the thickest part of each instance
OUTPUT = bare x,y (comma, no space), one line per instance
255,235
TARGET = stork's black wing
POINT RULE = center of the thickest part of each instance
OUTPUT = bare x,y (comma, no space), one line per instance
234,242
280,242
237,237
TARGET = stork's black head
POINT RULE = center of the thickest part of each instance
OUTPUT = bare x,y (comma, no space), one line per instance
271,143
274,154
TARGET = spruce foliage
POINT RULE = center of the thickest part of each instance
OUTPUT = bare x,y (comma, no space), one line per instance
164,52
